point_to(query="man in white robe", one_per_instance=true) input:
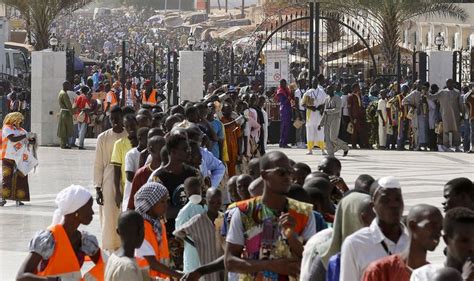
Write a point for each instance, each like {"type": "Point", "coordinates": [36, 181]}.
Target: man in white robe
{"type": "Point", "coordinates": [313, 100]}
{"type": "Point", "coordinates": [104, 181]}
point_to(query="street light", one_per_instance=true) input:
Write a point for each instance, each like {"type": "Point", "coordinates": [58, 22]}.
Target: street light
{"type": "Point", "coordinates": [53, 42]}
{"type": "Point", "coordinates": [191, 41]}
{"type": "Point", "coordinates": [439, 41]}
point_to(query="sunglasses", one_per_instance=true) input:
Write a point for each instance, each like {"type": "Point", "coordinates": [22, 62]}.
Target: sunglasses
{"type": "Point", "coordinates": [282, 172]}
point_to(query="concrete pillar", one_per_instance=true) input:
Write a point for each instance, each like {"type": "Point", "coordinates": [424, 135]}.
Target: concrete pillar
{"type": "Point", "coordinates": [440, 66]}
{"type": "Point", "coordinates": [48, 72]}
{"type": "Point", "coordinates": [191, 75]}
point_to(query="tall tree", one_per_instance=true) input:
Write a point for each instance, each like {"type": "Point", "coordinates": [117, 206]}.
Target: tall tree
{"type": "Point", "coordinates": [388, 17]}
{"type": "Point", "coordinates": [40, 14]}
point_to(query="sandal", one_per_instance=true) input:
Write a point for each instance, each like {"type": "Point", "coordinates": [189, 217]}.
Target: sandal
{"type": "Point", "coordinates": [3, 202]}
{"type": "Point", "coordinates": [19, 203]}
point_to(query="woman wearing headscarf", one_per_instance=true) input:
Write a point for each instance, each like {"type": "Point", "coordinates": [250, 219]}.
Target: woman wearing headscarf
{"type": "Point", "coordinates": [14, 182]}
{"type": "Point", "coordinates": [316, 256]}
{"type": "Point", "coordinates": [59, 252]}
{"type": "Point", "coordinates": [151, 201]}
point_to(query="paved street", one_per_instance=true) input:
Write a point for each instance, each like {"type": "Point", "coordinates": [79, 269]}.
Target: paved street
{"type": "Point", "coordinates": [422, 176]}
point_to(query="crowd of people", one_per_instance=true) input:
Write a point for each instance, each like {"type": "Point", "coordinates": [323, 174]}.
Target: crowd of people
{"type": "Point", "coordinates": [416, 116]}
{"type": "Point", "coordinates": [191, 193]}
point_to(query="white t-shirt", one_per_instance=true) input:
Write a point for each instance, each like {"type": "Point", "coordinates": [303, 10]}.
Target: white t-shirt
{"type": "Point", "coordinates": [145, 250]}
{"type": "Point", "coordinates": [132, 159]}
{"type": "Point", "coordinates": [425, 273]}
{"type": "Point", "coordinates": [123, 269]}
{"type": "Point", "coordinates": [345, 110]}
{"type": "Point", "coordinates": [382, 106]}
{"type": "Point", "coordinates": [299, 94]}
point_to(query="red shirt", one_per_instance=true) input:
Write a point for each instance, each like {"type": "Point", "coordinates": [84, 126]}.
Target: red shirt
{"type": "Point", "coordinates": [140, 178]}
{"type": "Point", "coordinates": [391, 268]}
{"type": "Point", "coordinates": [82, 102]}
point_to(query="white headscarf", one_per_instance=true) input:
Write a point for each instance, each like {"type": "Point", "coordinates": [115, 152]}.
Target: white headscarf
{"type": "Point", "coordinates": [69, 200]}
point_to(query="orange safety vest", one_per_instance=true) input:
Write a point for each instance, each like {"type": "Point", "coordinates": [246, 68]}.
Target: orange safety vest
{"type": "Point", "coordinates": [64, 264]}
{"type": "Point", "coordinates": [162, 253]}
{"type": "Point", "coordinates": [152, 99]}
{"type": "Point", "coordinates": [114, 101]}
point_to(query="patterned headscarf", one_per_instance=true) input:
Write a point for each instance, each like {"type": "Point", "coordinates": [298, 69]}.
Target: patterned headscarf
{"type": "Point", "coordinates": [14, 119]}
{"type": "Point", "coordinates": [146, 197]}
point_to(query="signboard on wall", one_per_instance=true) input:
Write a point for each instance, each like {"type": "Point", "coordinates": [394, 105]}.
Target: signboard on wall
{"type": "Point", "coordinates": [276, 67]}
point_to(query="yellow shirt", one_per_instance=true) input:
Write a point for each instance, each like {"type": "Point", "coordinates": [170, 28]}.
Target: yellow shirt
{"type": "Point", "coordinates": [121, 147]}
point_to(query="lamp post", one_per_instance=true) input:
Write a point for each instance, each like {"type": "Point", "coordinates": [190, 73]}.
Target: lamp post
{"type": "Point", "coordinates": [53, 42]}
{"type": "Point", "coordinates": [191, 41]}
{"type": "Point", "coordinates": [439, 41]}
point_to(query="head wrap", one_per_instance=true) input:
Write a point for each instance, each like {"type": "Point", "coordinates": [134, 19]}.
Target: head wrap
{"type": "Point", "coordinates": [146, 83]}
{"type": "Point", "coordinates": [69, 200]}
{"type": "Point", "coordinates": [14, 119]}
{"type": "Point", "coordinates": [145, 198]}
{"type": "Point", "coordinates": [346, 222]}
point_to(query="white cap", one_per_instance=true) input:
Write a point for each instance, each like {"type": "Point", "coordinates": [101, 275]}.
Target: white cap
{"type": "Point", "coordinates": [389, 182]}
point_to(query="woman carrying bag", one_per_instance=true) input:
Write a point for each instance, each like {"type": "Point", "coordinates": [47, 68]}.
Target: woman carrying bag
{"type": "Point", "coordinates": [17, 159]}
{"type": "Point", "coordinates": [82, 106]}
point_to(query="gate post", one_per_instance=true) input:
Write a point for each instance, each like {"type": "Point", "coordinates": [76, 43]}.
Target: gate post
{"type": "Point", "coordinates": [311, 41]}
{"type": "Point", "coordinates": [175, 77]}
{"type": "Point", "coordinates": [154, 65]}
{"type": "Point", "coordinates": [399, 69]}
{"type": "Point", "coordinates": [457, 66]}
{"type": "Point", "coordinates": [316, 43]}
{"type": "Point", "coordinates": [168, 77]}
{"type": "Point", "coordinates": [122, 73]}
{"type": "Point", "coordinates": [232, 66]}
{"type": "Point", "coordinates": [472, 65]}
{"type": "Point", "coordinates": [217, 64]}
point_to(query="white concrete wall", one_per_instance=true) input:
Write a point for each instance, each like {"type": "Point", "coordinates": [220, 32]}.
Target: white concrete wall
{"type": "Point", "coordinates": [48, 72]}
{"type": "Point", "coordinates": [440, 67]}
{"type": "Point", "coordinates": [191, 75]}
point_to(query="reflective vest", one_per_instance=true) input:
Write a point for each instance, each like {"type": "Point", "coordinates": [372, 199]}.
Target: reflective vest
{"type": "Point", "coordinates": [161, 250]}
{"type": "Point", "coordinates": [152, 99]}
{"type": "Point", "coordinates": [64, 264]}
{"type": "Point", "coordinates": [113, 99]}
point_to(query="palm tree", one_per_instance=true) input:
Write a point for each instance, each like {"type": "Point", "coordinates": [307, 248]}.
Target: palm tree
{"type": "Point", "coordinates": [389, 15]}
{"type": "Point", "coordinates": [40, 14]}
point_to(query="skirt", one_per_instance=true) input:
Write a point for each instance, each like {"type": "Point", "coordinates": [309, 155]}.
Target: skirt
{"type": "Point", "coordinates": [14, 183]}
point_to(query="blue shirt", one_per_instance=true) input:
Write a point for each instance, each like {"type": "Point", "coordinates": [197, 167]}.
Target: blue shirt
{"type": "Point", "coordinates": [320, 222]}
{"type": "Point", "coordinates": [191, 256]}
{"type": "Point", "coordinates": [334, 268]}
{"type": "Point", "coordinates": [219, 129]}
{"type": "Point", "coordinates": [212, 167]}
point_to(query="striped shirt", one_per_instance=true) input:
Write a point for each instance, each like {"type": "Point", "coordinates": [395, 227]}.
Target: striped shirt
{"type": "Point", "coordinates": [201, 230]}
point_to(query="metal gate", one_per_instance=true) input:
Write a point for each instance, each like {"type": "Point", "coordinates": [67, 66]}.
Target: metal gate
{"type": "Point", "coordinates": [463, 68]}
{"type": "Point", "coordinates": [337, 45]}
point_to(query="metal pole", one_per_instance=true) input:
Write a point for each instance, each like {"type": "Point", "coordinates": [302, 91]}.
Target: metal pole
{"type": "Point", "coordinates": [168, 77]}
{"type": "Point", "coordinates": [175, 77]}
{"type": "Point", "coordinates": [232, 66]}
{"type": "Point", "coordinates": [472, 65]}
{"type": "Point", "coordinates": [179, 6]}
{"type": "Point", "coordinates": [414, 66]}
{"type": "Point", "coordinates": [166, 6]}
{"type": "Point", "coordinates": [242, 11]}
{"type": "Point", "coordinates": [217, 64]}
{"type": "Point", "coordinates": [311, 41]}
{"type": "Point", "coordinates": [316, 38]}
{"type": "Point", "coordinates": [399, 69]}
{"type": "Point", "coordinates": [154, 65]}
{"type": "Point", "coordinates": [123, 72]}
{"type": "Point", "coordinates": [455, 66]}
{"type": "Point", "coordinates": [226, 6]}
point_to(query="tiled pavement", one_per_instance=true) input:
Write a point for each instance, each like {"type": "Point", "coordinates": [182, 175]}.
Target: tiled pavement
{"type": "Point", "coordinates": [422, 175]}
